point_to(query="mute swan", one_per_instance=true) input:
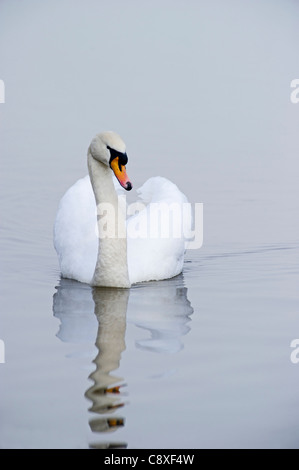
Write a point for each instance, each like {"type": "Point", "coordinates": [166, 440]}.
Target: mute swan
{"type": "Point", "coordinates": [116, 261]}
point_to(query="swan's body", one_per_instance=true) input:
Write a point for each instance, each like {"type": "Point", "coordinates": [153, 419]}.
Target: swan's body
{"type": "Point", "coordinates": [121, 260]}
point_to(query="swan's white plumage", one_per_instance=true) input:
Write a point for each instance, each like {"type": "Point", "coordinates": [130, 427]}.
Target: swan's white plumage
{"type": "Point", "coordinates": [76, 231]}
{"type": "Point", "coordinates": [76, 242]}
{"type": "Point", "coordinates": [75, 238]}
{"type": "Point", "coordinates": [156, 258]}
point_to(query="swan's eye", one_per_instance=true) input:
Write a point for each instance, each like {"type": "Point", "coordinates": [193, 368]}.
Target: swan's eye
{"type": "Point", "coordinates": [122, 157]}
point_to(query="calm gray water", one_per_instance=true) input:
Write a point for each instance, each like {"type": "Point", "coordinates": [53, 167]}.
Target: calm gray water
{"type": "Point", "coordinates": [201, 94]}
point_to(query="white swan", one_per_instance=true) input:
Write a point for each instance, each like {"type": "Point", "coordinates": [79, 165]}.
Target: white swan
{"type": "Point", "coordinates": [121, 260]}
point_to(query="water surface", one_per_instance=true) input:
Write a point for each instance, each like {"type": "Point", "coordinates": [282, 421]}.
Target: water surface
{"type": "Point", "coordinates": [201, 95]}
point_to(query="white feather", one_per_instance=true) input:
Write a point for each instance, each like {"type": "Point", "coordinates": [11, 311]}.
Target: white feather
{"type": "Point", "coordinates": [153, 256]}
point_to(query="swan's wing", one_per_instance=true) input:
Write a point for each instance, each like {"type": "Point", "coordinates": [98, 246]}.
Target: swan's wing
{"type": "Point", "coordinates": [152, 254]}
{"type": "Point", "coordinates": [156, 234]}
{"type": "Point", "coordinates": [75, 237]}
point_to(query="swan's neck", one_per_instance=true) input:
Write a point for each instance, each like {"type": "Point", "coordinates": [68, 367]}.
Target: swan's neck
{"type": "Point", "coordinates": [111, 267]}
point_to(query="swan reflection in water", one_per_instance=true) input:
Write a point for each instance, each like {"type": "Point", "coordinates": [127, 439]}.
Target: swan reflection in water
{"type": "Point", "coordinates": [101, 314]}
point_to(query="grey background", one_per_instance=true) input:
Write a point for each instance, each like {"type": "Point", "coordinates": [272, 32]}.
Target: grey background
{"type": "Point", "coordinates": [200, 92]}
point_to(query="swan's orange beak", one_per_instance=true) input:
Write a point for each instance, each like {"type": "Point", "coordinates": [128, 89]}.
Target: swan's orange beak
{"type": "Point", "coordinates": [121, 174]}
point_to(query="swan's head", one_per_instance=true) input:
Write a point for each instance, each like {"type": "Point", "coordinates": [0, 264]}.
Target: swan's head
{"type": "Point", "coordinates": [110, 149]}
